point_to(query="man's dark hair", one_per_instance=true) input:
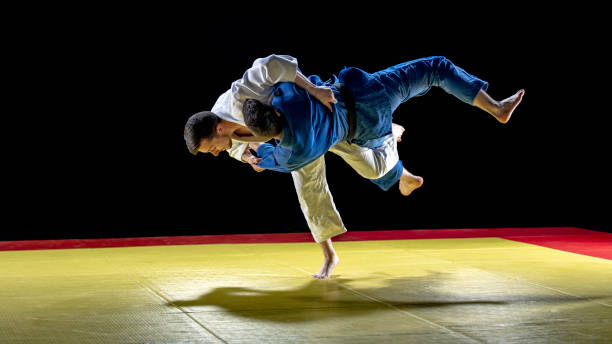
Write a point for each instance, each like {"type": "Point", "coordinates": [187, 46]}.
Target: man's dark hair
{"type": "Point", "coordinates": [199, 126]}
{"type": "Point", "coordinates": [261, 119]}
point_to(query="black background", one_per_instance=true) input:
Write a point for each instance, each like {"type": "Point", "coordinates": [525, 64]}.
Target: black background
{"type": "Point", "coordinates": [103, 96]}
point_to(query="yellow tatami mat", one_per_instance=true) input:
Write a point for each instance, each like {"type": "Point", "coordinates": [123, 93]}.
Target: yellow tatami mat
{"type": "Point", "coordinates": [392, 291]}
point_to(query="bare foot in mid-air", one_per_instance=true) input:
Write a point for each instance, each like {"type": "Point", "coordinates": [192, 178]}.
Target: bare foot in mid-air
{"type": "Point", "coordinates": [409, 182]}
{"type": "Point", "coordinates": [397, 130]}
{"type": "Point", "coordinates": [328, 265]}
{"type": "Point", "coordinates": [507, 106]}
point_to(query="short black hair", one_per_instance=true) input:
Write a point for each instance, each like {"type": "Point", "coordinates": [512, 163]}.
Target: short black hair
{"type": "Point", "coordinates": [199, 126]}
{"type": "Point", "coordinates": [261, 119]}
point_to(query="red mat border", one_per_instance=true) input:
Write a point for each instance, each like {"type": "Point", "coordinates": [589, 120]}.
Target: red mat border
{"type": "Point", "coordinates": [571, 239]}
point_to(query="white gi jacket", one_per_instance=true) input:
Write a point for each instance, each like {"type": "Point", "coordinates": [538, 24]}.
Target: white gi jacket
{"type": "Point", "coordinates": [310, 181]}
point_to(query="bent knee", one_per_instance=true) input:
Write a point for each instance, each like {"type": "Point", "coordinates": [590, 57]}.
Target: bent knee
{"type": "Point", "coordinates": [442, 62]}
{"type": "Point", "coordinates": [374, 172]}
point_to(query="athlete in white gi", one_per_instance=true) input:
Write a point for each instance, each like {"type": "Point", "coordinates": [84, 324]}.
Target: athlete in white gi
{"type": "Point", "coordinates": [310, 182]}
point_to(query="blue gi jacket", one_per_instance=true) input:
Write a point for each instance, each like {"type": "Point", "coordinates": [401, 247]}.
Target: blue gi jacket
{"type": "Point", "coordinates": [311, 129]}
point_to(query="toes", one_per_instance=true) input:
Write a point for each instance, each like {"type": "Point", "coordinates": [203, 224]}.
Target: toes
{"type": "Point", "coordinates": [320, 275]}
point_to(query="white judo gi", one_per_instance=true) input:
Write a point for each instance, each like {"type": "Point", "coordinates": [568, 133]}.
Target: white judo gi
{"type": "Point", "coordinates": [310, 181]}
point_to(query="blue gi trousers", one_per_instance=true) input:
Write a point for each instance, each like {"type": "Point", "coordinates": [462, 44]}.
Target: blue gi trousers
{"type": "Point", "coordinates": [377, 95]}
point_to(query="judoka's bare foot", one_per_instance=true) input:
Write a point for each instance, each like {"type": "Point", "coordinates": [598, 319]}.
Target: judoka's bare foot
{"type": "Point", "coordinates": [328, 265]}
{"type": "Point", "coordinates": [331, 260]}
{"type": "Point", "coordinates": [507, 106]}
{"type": "Point", "coordinates": [397, 130]}
{"type": "Point", "coordinates": [409, 182]}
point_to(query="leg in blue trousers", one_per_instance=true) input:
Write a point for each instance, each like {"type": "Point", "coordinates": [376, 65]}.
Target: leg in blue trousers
{"type": "Point", "coordinates": [415, 78]}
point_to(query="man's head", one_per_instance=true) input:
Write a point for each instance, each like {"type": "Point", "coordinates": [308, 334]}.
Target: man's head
{"type": "Point", "coordinates": [262, 119]}
{"type": "Point", "coordinates": [204, 133]}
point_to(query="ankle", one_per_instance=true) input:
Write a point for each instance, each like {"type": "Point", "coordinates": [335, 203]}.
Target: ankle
{"type": "Point", "coordinates": [496, 109]}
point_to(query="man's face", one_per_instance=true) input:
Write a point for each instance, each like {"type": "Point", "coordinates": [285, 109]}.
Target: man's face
{"type": "Point", "coordinates": [215, 145]}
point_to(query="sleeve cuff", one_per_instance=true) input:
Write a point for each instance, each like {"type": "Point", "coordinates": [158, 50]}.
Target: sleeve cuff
{"type": "Point", "coordinates": [237, 150]}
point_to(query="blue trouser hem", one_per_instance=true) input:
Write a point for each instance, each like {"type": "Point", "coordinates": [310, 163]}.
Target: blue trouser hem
{"type": "Point", "coordinates": [390, 178]}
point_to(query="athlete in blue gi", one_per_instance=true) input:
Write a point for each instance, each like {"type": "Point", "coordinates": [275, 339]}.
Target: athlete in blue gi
{"type": "Point", "coordinates": [305, 129]}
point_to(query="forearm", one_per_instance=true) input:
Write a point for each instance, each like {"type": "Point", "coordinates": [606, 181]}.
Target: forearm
{"type": "Point", "coordinates": [323, 94]}
{"type": "Point", "coordinates": [247, 155]}
{"type": "Point", "coordinates": [304, 83]}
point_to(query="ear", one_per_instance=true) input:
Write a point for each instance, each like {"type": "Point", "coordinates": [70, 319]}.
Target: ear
{"type": "Point", "coordinates": [219, 128]}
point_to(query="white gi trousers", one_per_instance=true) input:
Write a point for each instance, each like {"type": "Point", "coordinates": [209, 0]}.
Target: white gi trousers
{"type": "Point", "coordinates": [313, 192]}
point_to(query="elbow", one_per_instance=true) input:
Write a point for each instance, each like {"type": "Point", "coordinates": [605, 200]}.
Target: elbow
{"type": "Point", "coordinates": [280, 68]}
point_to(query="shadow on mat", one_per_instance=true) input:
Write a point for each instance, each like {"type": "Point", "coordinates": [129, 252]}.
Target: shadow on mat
{"type": "Point", "coordinates": [319, 299]}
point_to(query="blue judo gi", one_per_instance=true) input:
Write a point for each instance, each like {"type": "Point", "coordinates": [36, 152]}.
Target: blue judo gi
{"type": "Point", "coordinates": [311, 128]}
